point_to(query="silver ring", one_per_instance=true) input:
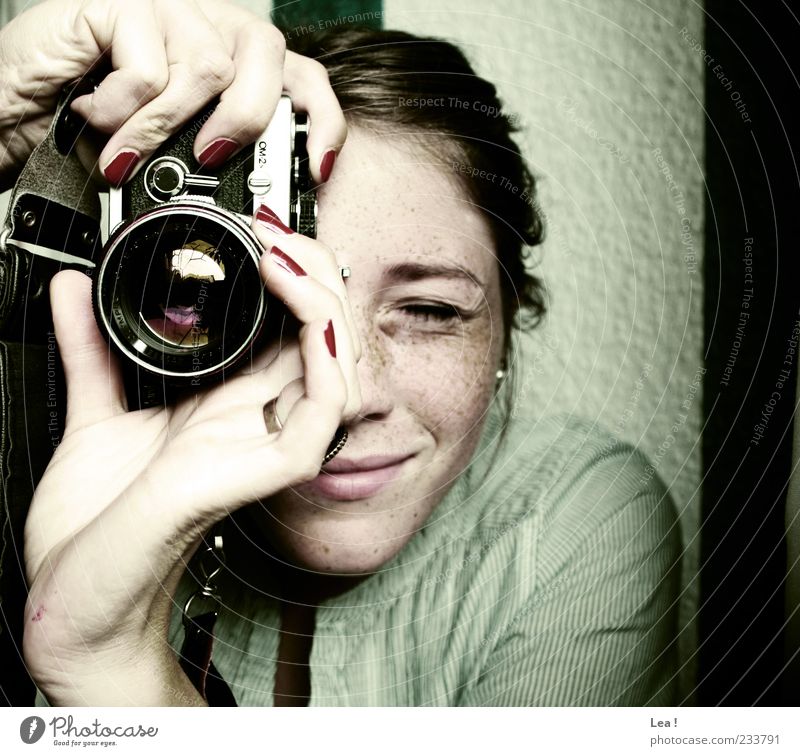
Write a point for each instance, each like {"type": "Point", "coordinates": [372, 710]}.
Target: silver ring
{"type": "Point", "coordinates": [271, 418]}
{"type": "Point", "coordinates": [344, 272]}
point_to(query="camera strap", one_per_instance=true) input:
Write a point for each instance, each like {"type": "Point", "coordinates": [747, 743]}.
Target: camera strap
{"type": "Point", "coordinates": [199, 617]}
{"type": "Point", "coordinates": [52, 223]}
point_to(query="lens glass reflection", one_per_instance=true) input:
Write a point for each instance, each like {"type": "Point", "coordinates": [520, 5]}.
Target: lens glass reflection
{"type": "Point", "coordinates": [181, 302]}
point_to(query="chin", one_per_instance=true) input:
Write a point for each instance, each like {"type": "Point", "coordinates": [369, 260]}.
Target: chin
{"type": "Point", "coordinates": [348, 553]}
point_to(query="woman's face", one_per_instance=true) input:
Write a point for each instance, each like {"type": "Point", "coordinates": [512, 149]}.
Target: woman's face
{"type": "Point", "coordinates": [425, 296]}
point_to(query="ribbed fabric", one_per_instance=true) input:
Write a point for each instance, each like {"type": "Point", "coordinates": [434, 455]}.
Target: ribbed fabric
{"type": "Point", "coordinates": [542, 579]}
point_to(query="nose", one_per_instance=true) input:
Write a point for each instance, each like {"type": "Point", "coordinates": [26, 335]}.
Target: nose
{"type": "Point", "coordinates": [376, 377]}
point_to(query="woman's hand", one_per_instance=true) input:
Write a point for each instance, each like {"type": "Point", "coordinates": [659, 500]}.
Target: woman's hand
{"type": "Point", "coordinates": [127, 495]}
{"type": "Point", "coordinates": [169, 59]}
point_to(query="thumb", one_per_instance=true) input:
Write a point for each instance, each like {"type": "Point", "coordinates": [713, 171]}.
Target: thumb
{"type": "Point", "coordinates": [95, 390]}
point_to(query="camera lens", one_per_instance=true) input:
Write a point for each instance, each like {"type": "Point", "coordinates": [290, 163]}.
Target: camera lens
{"type": "Point", "coordinates": [179, 291]}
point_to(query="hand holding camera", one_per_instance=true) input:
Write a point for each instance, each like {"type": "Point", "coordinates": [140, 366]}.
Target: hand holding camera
{"type": "Point", "coordinates": [169, 59]}
{"type": "Point", "coordinates": [133, 491]}
{"type": "Point", "coordinates": [136, 490]}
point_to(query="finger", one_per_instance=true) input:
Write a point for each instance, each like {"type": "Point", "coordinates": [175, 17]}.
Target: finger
{"type": "Point", "coordinates": [253, 389]}
{"type": "Point", "coordinates": [249, 462]}
{"type": "Point", "coordinates": [143, 537]}
{"type": "Point", "coordinates": [306, 82]}
{"type": "Point", "coordinates": [243, 469]}
{"type": "Point", "coordinates": [308, 300]}
{"type": "Point", "coordinates": [140, 65]}
{"type": "Point", "coordinates": [297, 454]}
{"type": "Point", "coordinates": [248, 104]}
{"type": "Point", "coordinates": [290, 394]}
{"type": "Point", "coordinates": [95, 389]}
{"type": "Point", "coordinates": [314, 258]}
{"type": "Point", "coordinates": [282, 357]}
{"type": "Point", "coordinates": [200, 68]}
{"type": "Point", "coordinates": [120, 95]}
{"type": "Point", "coordinates": [252, 409]}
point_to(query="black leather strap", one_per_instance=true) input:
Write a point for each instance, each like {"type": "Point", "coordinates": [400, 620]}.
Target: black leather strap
{"type": "Point", "coordinates": [196, 661]}
{"type": "Point", "coordinates": [31, 393]}
{"type": "Point", "coordinates": [53, 222]}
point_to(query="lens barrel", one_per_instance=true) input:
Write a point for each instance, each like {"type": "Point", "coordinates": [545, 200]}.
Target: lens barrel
{"type": "Point", "coordinates": [179, 291]}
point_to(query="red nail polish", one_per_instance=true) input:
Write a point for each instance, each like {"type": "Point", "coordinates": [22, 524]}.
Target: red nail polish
{"type": "Point", "coordinates": [326, 166]}
{"type": "Point", "coordinates": [217, 152]}
{"type": "Point", "coordinates": [330, 338]}
{"type": "Point", "coordinates": [286, 262]}
{"type": "Point", "coordinates": [267, 217]}
{"type": "Point", "coordinates": [121, 167]}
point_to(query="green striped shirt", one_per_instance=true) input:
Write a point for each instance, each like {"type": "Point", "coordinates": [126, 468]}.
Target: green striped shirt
{"type": "Point", "coordinates": [547, 576]}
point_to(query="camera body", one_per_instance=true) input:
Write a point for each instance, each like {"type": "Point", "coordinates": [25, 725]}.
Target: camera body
{"type": "Point", "coordinates": [274, 170]}
{"type": "Point", "coordinates": [176, 287]}
{"type": "Point", "coordinates": [178, 291]}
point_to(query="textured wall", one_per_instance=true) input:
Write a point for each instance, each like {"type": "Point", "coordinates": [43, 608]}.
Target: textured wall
{"type": "Point", "coordinates": [599, 86]}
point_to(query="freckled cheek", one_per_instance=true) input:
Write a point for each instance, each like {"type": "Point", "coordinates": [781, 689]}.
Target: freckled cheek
{"type": "Point", "coordinates": [447, 382]}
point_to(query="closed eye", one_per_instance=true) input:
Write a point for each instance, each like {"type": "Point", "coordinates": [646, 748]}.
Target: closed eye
{"type": "Point", "coordinates": [432, 311]}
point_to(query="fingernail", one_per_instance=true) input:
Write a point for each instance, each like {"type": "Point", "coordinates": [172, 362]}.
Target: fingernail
{"type": "Point", "coordinates": [286, 262]}
{"type": "Point", "coordinates": [121, 167]}
{"type": "Point", "coordinates": [330, 339]}
{"type": "Point", "coordinates": [326, 166]}
{"type": "Point", "coordinates": [217, 152]}
{"type": "Point", "coordinates": [268, 218]}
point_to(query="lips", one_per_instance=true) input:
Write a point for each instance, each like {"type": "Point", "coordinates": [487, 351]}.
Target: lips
{"type": "Point", "coordinates": [354, 479]}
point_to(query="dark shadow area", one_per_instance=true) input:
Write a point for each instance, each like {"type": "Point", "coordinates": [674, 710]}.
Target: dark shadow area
{"type": "Point", "coordinates": [751, 321]}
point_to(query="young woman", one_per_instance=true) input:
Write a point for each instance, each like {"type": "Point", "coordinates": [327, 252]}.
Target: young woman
{"type": "Point", "coordinates": [448, 555]}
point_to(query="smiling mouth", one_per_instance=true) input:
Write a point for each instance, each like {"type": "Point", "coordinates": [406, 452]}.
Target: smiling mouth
{"type": "Point", "coordinates": [355, 479]}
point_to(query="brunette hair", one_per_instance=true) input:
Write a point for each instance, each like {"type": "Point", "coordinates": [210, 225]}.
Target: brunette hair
{"type": "Point", "coordinates": [428, 87]}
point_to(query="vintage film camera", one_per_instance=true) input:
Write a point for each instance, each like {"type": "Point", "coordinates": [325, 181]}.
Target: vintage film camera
{"type": "Point", "coordinates": [176, 288]}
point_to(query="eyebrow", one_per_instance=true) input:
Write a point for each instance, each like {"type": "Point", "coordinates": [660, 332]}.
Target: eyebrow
{"type": "Point", "coordinates": [413, 271]}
